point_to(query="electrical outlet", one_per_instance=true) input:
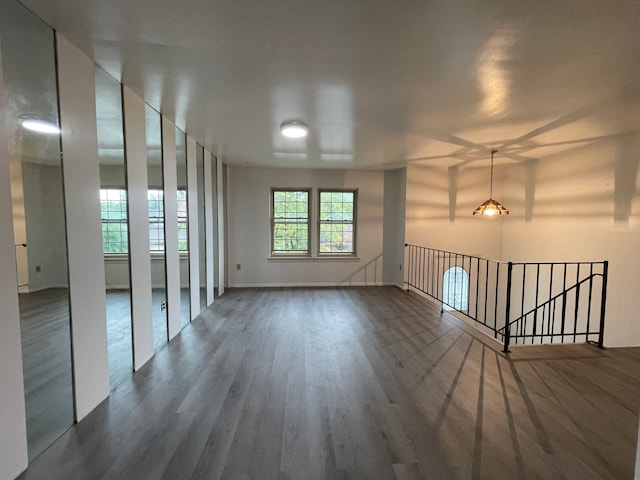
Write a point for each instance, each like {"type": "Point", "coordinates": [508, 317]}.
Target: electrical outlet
{"type": "Point", "coordinates": [400, 267]}
{"type": "Point", "coordinates": [38, 268]}
{"type": "Point", "coordinates": [163, 306]}
{"type": "Point", "coordinates": [238, 266]}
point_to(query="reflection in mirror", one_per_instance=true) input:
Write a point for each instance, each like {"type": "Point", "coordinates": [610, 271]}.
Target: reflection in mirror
{"type": "Point", "coordinates": [115, 226]}
{"type": "Point", "coordinates": [183, 227]}
{"type": "Point", "coordinates": [156, 227]}
{"type": "Point", "coordinates": [201, 227]}
{"type": "Point", "coordinates": [214, 194]}
{"type": "Point", "coordinates": [39, 225]}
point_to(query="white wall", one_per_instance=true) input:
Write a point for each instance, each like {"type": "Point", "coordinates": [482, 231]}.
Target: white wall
{"type": "Point", "coordinates": [394, 226]}
{"type": "Point", "coordinates": [584, 205]}
{"type": "Point", "coordinates": [249, 229]}
{"type": "Point", "coordinates": [579, 205]}
{"type": "Point", "coordinates": [84, 233]}
{"type": "Point", "coordinates": [13, 430]}
{"type": "Point", "coordinates": [46, 242]}
{"type": "Point", "coordinates": [439, 208]}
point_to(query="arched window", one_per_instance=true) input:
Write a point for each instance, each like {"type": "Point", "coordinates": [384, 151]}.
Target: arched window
{"type": "Point", "coordinates": [455, 289]}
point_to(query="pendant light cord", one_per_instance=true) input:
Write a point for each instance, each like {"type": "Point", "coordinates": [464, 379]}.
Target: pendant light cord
{"type": "Point", "coordinates": [491, 181]}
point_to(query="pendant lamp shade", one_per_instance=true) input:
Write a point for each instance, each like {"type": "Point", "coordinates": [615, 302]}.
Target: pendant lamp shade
{"type": "Point", "coordinates": [491, 207]}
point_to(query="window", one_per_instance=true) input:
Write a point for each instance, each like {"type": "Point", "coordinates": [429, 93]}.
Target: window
{"type": "Point", "coordinates": [455, 289]}
{"type": "Point", "coordinates": [113, 211]}
{"type": "Point", "coordinates": [156, 220]}
{"type": "Point", "coordinates": [113, 205]}
{"type": "Point", "coordinates": [183, 235]}
{"type": "Point", "coordinates": [289, 222]}
{"type": "Point", "coordinates": [337, 222]}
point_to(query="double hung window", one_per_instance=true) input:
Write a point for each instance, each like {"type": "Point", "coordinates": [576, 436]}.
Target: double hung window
{"type": "Point", "coordinates": [290, 222]}
{"type": "Point", "coordinates": [337, 222]}
{"type": "Point", "coordinates": [334, 222]}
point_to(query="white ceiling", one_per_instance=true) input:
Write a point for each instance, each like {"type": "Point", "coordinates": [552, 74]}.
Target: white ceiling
{"type": "Point", "coordinates": [380, 83]}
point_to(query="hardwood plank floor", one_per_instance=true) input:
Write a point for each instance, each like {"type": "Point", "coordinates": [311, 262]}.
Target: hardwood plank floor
{"type": "Point", "coordinates": [46, 366]}
{"type": "Point", "coordinates": [355, 383]}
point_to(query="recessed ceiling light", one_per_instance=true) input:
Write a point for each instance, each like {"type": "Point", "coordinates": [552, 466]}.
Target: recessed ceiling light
{"type": "Point", "coordinates": [294, 129]}
{"type": "Point", "coordinates": [36, 124]}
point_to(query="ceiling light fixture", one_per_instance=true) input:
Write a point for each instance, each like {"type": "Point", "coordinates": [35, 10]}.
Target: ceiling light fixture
{"type": "Point", "coordinates": [36, 124]}
{"type": "Point", "coordinates": [490, 207]}
{"type": "Point", "coordinates": [294, 129]}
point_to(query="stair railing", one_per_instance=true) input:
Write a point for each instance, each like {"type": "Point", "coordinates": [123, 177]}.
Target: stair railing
{"type": "Point", "coordinates": [515, 302]}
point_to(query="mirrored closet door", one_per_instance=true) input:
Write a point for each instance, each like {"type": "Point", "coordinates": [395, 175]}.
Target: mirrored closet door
{"type": "Point", "coordinates": [38, 207]}
{"type": "Point", "coordinates": [115, 225]}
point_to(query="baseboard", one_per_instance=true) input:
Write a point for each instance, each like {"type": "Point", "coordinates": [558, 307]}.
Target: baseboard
{"type": "Point", "coordinates": [27, 289]}
{"type": "Point", "coordinates": [311, 285]}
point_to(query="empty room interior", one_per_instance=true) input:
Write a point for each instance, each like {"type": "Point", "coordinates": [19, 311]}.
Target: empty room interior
{"type": "Point", "coordinates": [319, 240]}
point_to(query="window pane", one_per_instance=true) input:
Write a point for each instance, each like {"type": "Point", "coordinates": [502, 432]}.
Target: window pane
{"type": "Point", "coordinates": [113, 208]}
{"type": "Point", "coordinates": [336, 222]}
{"type": "Point", "coordinates": [183, 237]}
{"type": "Point", "coordinates": [290, 224]}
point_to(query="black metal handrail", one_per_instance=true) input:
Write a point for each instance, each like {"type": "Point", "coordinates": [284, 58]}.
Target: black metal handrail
{"type": "Point", "coordinates": [489, 292]}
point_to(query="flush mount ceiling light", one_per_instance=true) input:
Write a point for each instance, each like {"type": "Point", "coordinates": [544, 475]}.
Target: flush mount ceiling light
{"type": "Point", "coordinates": [490, 208]}
{"type": "Point", "coordinates": [294, 129]}
{"type": "Point", "coordinates": [36, 124]}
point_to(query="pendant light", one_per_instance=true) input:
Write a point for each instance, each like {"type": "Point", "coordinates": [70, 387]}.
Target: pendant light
{"type": "Point", "coordinates": [490, 207]}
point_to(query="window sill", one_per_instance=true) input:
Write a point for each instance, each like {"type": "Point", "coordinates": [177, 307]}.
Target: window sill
{"type": "Point", "coordinates": [306, 258]}
{"type": "Point", "coordinates": [116, 257]}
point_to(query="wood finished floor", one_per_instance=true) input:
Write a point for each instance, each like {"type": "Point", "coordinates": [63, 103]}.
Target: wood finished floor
{"type": "Point", "coordinates": [355, 383]}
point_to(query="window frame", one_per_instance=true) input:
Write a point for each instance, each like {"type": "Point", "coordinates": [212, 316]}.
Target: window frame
{"type": "Point", "coordinates": [272, 220]}
{"type": "Point", "coordinates": [156, 220]}
{"type": "Point", "coordinates": [354, 223]}
{"type": "Point", "coordinates": [183, 226]}
{"type": "Point", "coordinates": [123, 221]}
{"type": "Point", "coordinates": [460, 304]}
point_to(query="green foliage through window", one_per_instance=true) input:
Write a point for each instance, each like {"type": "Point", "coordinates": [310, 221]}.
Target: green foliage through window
{"type": "Point", "coordinates": [183, 234]}
{"type": "Point", "coordinates": [113, 206]}
{"type": "Point", "coordinates": [290, 222]}
{"type": "Point", "coordinates": [113, 211]}
{"type": "Point", "coordinates": [156, 220]}
{"type": "Point", "coordinates": [337, 222]}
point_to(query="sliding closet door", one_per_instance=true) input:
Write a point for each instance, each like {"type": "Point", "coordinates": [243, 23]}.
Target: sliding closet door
{"type": "Point", "coordinates": [156, 227]}
{"type": "Point", "coordinates": [38, 207]}
{"type": "Point", "coordinates": [115, 225]}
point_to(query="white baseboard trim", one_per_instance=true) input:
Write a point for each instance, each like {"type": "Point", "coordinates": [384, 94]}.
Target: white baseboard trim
{"type": "Point", "coordinates": [313, 285]}
{"type": "Point", "coordinates": [27, 289]}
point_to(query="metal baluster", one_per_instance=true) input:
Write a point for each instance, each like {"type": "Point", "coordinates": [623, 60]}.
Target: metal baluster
{"type": "Point", "coordinates": [589, 304]}
{"type": "Point", "coordinates": [495, 306]}
{"type": "Point", "coordinates": [553, 321]}
{"type": "Point", "coordinates": [535, 310]}
{"type": "Point", "coordinates": [575, 315]}
{"type": "Point", "coordinates": [507, 329]}
{"type": "Point", "coordinates": [477, 285]}
{"type": "Point", "coordinates": [551, 312]}
{"type": "Point", "coordinates": [564, 303]}
{"type": "Point", "coordinates": [523, 321]}
{"type": "Point", "coordinates": [486, 289]}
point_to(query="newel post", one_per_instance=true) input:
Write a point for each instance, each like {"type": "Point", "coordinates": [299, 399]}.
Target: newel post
{"type": "Point", "coordinates": [603, 302]}
{"type": "Point", "coordinates": [507, 326]}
